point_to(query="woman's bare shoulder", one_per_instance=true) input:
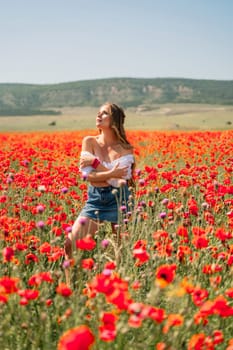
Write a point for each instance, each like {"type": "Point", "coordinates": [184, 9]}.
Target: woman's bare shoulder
{"type": "Point", "coordinates": [88, 143]}
{"type": "Point", "coordinates": [90, 140]}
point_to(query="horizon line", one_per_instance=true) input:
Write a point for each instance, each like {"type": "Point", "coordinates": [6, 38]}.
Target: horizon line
{"type": "Point", "coordinates": [115, 78]}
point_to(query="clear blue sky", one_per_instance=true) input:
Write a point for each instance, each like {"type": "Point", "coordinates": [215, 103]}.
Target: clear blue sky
{"type": "Point", "coordinates": [52, 41]}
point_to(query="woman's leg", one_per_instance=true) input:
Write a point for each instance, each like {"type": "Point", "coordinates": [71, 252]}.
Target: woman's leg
{"type": "Point", "coordinates": [82, 227]}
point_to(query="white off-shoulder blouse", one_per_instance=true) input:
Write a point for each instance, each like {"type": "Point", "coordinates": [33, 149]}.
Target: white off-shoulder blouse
{"type": "Point", "coordinates": [124, 161]}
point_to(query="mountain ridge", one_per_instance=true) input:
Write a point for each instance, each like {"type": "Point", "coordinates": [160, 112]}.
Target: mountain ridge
{"type": "Point", "coordinates": [29, 99]}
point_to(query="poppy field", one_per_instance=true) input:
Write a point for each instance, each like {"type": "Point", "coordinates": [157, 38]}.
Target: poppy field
{"type": "Point", "coordinates": [163, 282]}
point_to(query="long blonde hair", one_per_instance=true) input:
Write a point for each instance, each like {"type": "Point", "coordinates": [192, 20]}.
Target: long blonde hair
{"type": "Point", "coordinates": [117, 124]}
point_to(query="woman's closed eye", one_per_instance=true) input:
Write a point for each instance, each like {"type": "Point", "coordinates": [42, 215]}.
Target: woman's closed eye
{"type": "Point", "coordinates": [103, 114]}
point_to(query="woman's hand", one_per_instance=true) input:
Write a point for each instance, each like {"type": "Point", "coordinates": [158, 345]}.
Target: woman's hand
{"type": "Point", "coordinates": [118, 172]}
{"type": "Point", "coordinates": [86, 161]}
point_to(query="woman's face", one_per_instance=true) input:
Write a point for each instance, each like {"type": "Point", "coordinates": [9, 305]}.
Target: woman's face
{"type": "Point", "coordinates": [103, 119]}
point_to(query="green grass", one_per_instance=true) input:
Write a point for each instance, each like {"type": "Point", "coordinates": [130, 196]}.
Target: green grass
{"type": "Point", "coordinates": [158, 117]}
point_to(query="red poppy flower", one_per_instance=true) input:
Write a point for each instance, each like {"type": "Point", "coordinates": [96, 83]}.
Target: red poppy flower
{"type": "Point", "coordinates": [64, 290]}
{"type": "Point", "coordinates": [222, 234]}
{"type": "Point", "coordinates": [45, 248]}
{"type": "Point", "coordinates": [8, 253]}
{"type": "Point", "coordinates": [87, 264]}
{"type": "Point", "coordinates": [110, 265]}
{"type": "Point", "coordinates": [31, 258]}
{"type": "Point", "coordinates": [107, 328]}
{"type": "Point", "coordinates": [218, 337]}
{"type": "Point", "coordinates": [199, 295]}
{"type": "Point", "coordinates": [197, 342]}
{"type": "Point", "coordinates": [78, 338]}
{"type": "Point", "coordinates": [8, 285]}
{"type": "Point", "coordinates": [3, 298]}
{"type": "Point", "coordinates": [37, 279]}
{"type": "Point", "coordinates": [173, 320]}
{"type": "Point", "coordinates": [229, 292]}
{"type": "Point", "coordinates": [86, 243]}
{"type": "Point", "coordinates": [140, 253]}
{"type": "Point", "coordinates": [29, 294]}
{"type": "Point", "coordinates": [200, 242]}
{"type": "Point", "coordinates": [165, 274]}
{"type": "Point", "coordinates": [182, 231]}
{"type": "Point", "coordinates": [210, 269]}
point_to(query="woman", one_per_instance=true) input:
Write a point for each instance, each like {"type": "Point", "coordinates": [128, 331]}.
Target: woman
{"type": "Point", "coordinates": [106, 163]}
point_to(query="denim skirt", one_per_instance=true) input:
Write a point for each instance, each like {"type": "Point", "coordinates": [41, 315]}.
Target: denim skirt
{"type": "Point", "coordinates": [106, 203]}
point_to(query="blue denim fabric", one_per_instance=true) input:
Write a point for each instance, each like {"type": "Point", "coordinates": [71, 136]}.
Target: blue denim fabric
{"type": "Point", "coordinates": [104, 203]}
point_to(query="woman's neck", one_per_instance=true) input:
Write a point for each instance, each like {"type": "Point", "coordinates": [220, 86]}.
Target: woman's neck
{"type": "Point", "coordinates": [108, 137]}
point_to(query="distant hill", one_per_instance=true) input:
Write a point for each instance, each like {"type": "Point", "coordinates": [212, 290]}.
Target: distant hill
{"type": "Point", "coordinates": [28, 99]}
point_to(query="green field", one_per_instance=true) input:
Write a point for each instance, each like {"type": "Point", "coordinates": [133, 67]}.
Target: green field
{"type": "Point", "coordinates": [158, 117]}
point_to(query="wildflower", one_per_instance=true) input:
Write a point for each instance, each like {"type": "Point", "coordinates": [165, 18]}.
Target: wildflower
{"type": "Point", "coordinates": [40, 224]}
{"type": "Point", "coordinates": [86, 243]}
{"type": "Point", "coordinates": [84, 176]}
{"type": "Point", "coordinates": [104, 243]}
{"type": "Point", "coordinates": [87, 264]}
{"type": "Point", "coordinates": [68, 229]}
{"type": "Point", "coordinates": [25, 162]}
{"type": "Point", "coordinates": [136, 285]}
{"type": "Point", "coordinates": [9, 180]}
{"type": "Point", "coordinates": [230, 344]}
{"type": "Point", "coordinates": [49, 302]}
{"type": "Point", "coordinates": [173, 320]}
{"type": "Point", "coordinates": [66, 264]}
{"type": "Point", "coordinates": [28, 294]}
{"type": "Point", "coordinates": [110, 265]}
{"type": "Point", "coordinates": [193, 208]}
{"type": "Point", "coordinates": [123, 208]}
{"type": "Point", "coordinates": [222, 234]}
{"type": "Point", "coordinates": [165, 275]}
{"type": "Point", "coordinates": [210, 269]}
{"type": "Point", "coordinates": [205, 205]}
{"type": "Point", "coordinates": [78, 338]}
{"type": "Point", "coordinates": [8, 285]}
{"type": "Point", "coordinates": [140, 253]}
{"type": "Point", "coordinates": [200, 242]}
{"type": "Point", "coordinates": [141, 182]}
{"type": "Point", "coordinates": [156, 314]}
{"type": "Point", "coordinates": [222, 308]}
{"type": "Point", "coordinates": [199, 295]}
{"type": "Point", "coordinates": [30, 257]}
{"type": "Point", "coordinates": [107, 328]}
{"type": "Point", "coordinates": [3, 298]}
{"type": "Point", "coordinates": [218, 337]}
{"type": "Point", "coordinates": [229, 292]}
{"type": "Point", "coordinates": [165, 201]}
{"type": "Point", "coordinates": [8, 253]}
{"type": "Point", "coordinates": [82, 220]}
{"type": "Point", "coordinates": [64, 190]}
{"type": "Point", "coordinates": [182, 231]}
{"type": "Point", "coordinates": [40, 208]}
{"type": "Point", "coordinates": [38, 278]}
{"type": "Point", "coordinates": [197, 342]}
{"type": "Point", "coordinates": [162, 215]}
{"type": "Point", "coordinates": [106, 272]}
{"type": "Point", "coordinates": [64, 290]}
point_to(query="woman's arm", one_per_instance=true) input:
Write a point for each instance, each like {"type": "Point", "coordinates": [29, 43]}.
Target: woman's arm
{"type": "Point", "coordinates": [86, 160]}
{"type": "Point", "coordinates": [100, 176]}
